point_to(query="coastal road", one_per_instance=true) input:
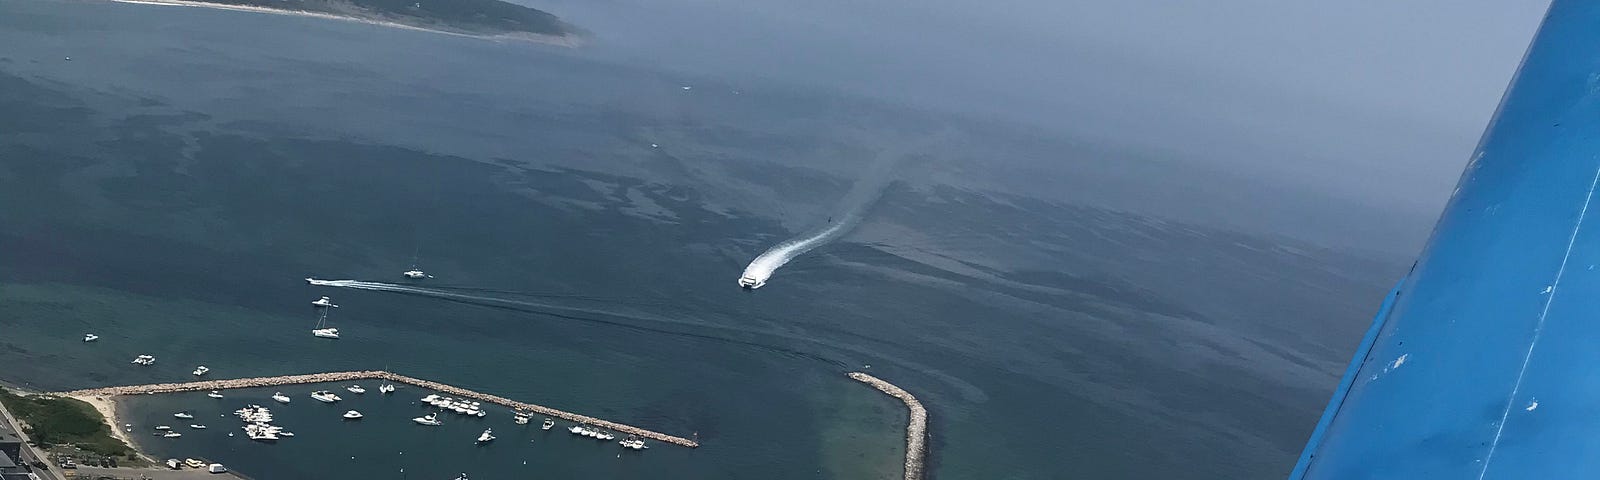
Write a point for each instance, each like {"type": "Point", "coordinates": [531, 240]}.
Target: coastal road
{"type": "Point", "coordinates": [9, 424]}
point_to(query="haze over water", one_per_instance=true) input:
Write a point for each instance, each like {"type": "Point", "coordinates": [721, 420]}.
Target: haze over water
{"type": "Point", "coordinates": [171, 186]}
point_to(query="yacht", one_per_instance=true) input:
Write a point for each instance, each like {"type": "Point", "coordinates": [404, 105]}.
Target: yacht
{"type": "Point", "coordinates": [90, 337]}
{"type": "Point", "coordinates": [432, 397]}
{"type": "Point", "coordinates": [200, 370]}
{"type": "Point", "coordinates": [254, 414]}
{"type": "Point", "coordinates": [280, 397]}
{"type": "Point", "coordinates": [577, 429]}
{"type": "Point", "coordinates": [197, 426]}
{"type": "Point", "coordinates": [548, 423]}
{"type": "Point", "coordinates": [326, 332]}
{"type": "Point", "coordinates": [324, 302]}
{"type": "Point", "coordinates": [520, 418]}
{"type": "Point", "coordinates": [261, 432]}
{"type": "Point", "coordinates": [487, 436]}
{"type": "Point", "coordinates": [145, 360]}
{"type": "Point", "coordinates": [431, 420]}
{"type": "Point", "coordinates": [325, 396]}
{"type": "Point", "coordinates": [171, 434]}
{"type": "Point", "coordinates": [386, 388]}
{"type": "Point", "coordinates": [352, 415]}
{"type": "Point", "coordinates": [604, 435]}
{"type": "Point", "coordinates": [633, 442]}
{"type": "Point", "coordinates": [750, 283]}
{"type": "Point", "coordinates": [214, 394]}
{"type": "Point", "coordinates": [183, 415]}
{"type": "Point", "coordinates": [356, 389]}
{"type": "Point", "coordinates": [415, 274]}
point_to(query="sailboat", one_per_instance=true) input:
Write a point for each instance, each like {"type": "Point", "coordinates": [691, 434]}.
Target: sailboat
{"type": "Point", "coordinates": [322, 329]}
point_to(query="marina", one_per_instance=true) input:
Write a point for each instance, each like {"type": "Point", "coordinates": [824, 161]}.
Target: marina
{"type": "Point", "coordinates": [916, 426]}
{"type": "Point", "coordinates": [341, 377]}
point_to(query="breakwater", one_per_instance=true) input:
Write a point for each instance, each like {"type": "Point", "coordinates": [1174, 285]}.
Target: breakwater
{"type": "Point", "coordinates": [916, 426]}
{"type": "Point", "coordinates": [329, 377]}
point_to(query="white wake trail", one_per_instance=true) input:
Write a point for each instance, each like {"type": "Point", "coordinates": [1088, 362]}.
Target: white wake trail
{"type": "Point", "coordinates": [855, 205]}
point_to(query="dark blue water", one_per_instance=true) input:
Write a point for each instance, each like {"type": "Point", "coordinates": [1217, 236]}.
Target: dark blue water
{"type": "Point", "coordinates": [170, 186]}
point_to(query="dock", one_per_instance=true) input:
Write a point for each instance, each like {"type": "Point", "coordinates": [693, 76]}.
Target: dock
{"type": "Point", "coordinates": [331, 377]}
{"type": "Point", "coordinates": [916, 427]}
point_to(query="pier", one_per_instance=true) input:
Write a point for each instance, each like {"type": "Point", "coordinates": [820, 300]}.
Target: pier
{"type": "Point", "coordinates": [331, 377]}
{"type": "Point", "coordinates": [916, 427]}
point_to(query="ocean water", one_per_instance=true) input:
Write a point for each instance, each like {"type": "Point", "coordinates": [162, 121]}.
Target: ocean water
{"type": "Point", "coordinates": [170, 186]}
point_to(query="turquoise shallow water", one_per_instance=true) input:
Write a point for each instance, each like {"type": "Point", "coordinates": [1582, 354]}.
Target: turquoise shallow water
{"type": "Point", "coordinates": [169, 188]}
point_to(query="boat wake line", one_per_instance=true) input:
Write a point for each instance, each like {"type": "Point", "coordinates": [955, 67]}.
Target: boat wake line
{"type": "Point", "coordinates": [853, 206]}
{"type": "Point", "coordinates": [590, 315]}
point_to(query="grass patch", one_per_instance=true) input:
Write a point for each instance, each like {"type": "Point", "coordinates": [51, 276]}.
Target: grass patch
{"type": "Point", "coordinates": [64, 421]}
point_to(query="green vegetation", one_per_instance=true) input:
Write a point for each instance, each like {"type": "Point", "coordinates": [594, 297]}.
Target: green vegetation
{"type": "Point", "coordinates": [469, 16]}
{"type": "Point", "coordinates": [64, 421]}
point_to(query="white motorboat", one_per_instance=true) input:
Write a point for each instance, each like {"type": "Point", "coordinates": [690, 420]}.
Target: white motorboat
{"type": "Point", "coordinates": [520, 418]}
{"type": "Point", "coordinates": [261, 432]}
{"type": "Point", "coordinates": [214, 394]}
{"type": "Point", "coordinates": [145, 360]}
{"type": "Point", "coordinates": [90, 337]}
{"type": "Point", "coordinates": [325, 396]}
{"type": "Point", "coordinates": [163, 427]}
{"type": "Point", "coordinates": [487, 436]}
{"type": "Point", "coordinates": [356, 389]}
{"type": "Point", "coordinates": [324, 302]}
{"type": "Point", "coordinates": [431, 420]}
{"type": "Point", "coordinates": [751, 283]}
{"type": "Point", "coordinates": [280, 397]}
{"type": "Point", "coordinates": [432, 397]}
{"type": "Point", "coordinates": [286, 434]}
{"type": "Point", "coordinates": [481, 414]}
{"type": "Point", "coordinates": [604, 435]}
{"type": "Point", "coordinates": [192, 463]}
{"type": "Point", "coordinates": [548, 423]}
{"type": "Point", "coordinates": [171, 434]}
{"type": "Point", "coordinates": [200, 370]}
{"type": "Point", "coordinates": [326, 332]}
{"type": "Point", "coordinates": [577, 429]}
{"type": "Point", "coordinates": [352, 415]}
{"type": "Point", "coordinates": [386, 388]}
{"type": "Point", "coordinates": [197, 426]}
{"type": "Point", "coordinates": [183, 415]}
{"type": "Point", "coordinates": [415, 274]}
{"type": "Point", "coordinates": [633, 442]}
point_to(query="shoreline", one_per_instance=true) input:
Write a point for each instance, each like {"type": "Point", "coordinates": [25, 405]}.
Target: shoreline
{"type": "Point", "coordinates": [916, 425]}
{"type": "Point", "coordinates": [569, 41]}
{"type": "Point", "coordinates": [108, 412]}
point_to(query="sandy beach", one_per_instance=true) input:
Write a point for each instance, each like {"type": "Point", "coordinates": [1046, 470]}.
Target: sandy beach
{"type": "Point", "coordinates": [108, 410]}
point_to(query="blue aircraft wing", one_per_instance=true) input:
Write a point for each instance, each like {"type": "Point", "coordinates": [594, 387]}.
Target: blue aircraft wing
{"type": "Point", "coordinates": [1484, 362]}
